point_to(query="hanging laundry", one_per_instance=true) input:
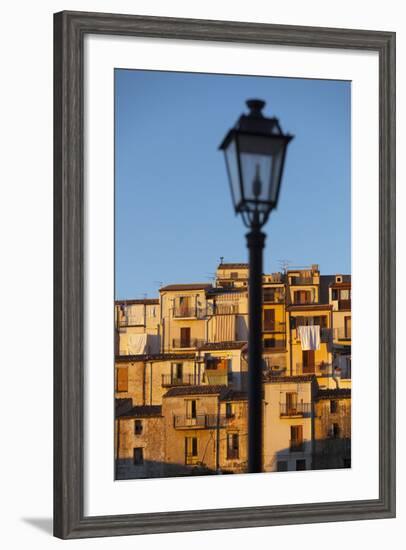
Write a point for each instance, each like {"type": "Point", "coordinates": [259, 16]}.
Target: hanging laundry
{"type": "Point", "coordinates": [309, 337]}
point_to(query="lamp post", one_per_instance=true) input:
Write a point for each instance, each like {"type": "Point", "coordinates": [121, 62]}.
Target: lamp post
{"type": "Point", "coordinates": [255, 150]}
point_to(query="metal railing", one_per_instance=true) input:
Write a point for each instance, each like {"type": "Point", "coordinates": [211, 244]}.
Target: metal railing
{"type": "Point", "coordinates": [183, 421]}
{"type": "Point", "coordinates": [301, 281]}
{"type": "Point", "coordinates": [325, 334]}
{"type": "Point", "coordinates": [208, 421]}
{"type": "Point", "coordinates": [189, 312]}
{"type": "Point", "coordinates": [190, 343]}
{"type": "Point", "coordinates": [269, 298]}
{"type": "Point", "coordinates": [300, 409]}
{"type": "Point", "coordinates": [342, 333]}
{"type": "Point", "coordinates": [318, 368]}
{"type": "Point", "coordinates": [184, 380]}
{"type": "Point", "coordinates": [273, 326]}
{"type": "Point", "coordinates": [296, 445]}
{"type": "Point", "coordinates": [277, 344]}
{"type": "Point", "coordinates": [344, 305]}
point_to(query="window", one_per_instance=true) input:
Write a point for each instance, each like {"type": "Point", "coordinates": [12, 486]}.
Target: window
{"type": "Point", "coordinates": [191, 450]}
{"type": "Point", "coordinates": [333, 406]}
{"type": "Point", "coordinates": [185, 306]}
{"type": "Point", "coordinates": [269, 319]}
{"type": "Point", "coordinates": [138, 456]}
{"type": "Point", "coordinates": [334, 430]}
{"type": "Point", "coordinates": [229, 410]}
{"type": "Point", "coordinates": [232, 446]}
{"type": "Point", "coordinates": [185, 337]}
{"type": "Point", "coordinates": [234, 275]}
{"type": "Point", "coordinates": [296, 438]}
{"type": "Point", "coordinates": [121, 379]}
{"type": "Point", "coordinates": [138, 427]}
{"type": "Point", "coordinates": [308, 361]}
{"type": "Point", "coordinates": [282, 466]}
{"type": "Point", "coordinates": [270, 343]}
{"type": "Point", "coordinates": [177, 372]}
{"type": "Point", "coordinates": [291, 402]}
{"type": "Point", "coordinates": [302, 297]}
{"type": "Point", "coordinates": [347, 327]}
{"type": "Point", "coordinates": [269, 295]}
{"type": "Point", "coordinates": [300, 464]}
{"type": "Point", "coordinates": [191, 408]}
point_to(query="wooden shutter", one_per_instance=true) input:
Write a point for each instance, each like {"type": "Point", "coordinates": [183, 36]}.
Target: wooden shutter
{"type": "Point", "coordinates": [122, 379]}
{"type": "Point", "coordinates": [185, 337]}
{"type": "Point", "coordinates": [308, 361]}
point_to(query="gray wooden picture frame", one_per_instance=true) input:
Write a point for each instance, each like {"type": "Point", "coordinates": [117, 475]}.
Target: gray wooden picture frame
{"type": "Point", "coordinates": [69, 31]}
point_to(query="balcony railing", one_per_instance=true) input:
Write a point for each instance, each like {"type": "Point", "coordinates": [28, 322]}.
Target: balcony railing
{"type": "Point", "coordinates": [275, 345]}
{"type": "Point", "coordinates": [296, 446]}
{"type": "Point", "coordinates": [342, 333]}
{"type": "Point", "coordinates": [190, 343]}
{"type": "Point", "coordinates": [325, 335]}
{"type": "Point", "coordinates": [184, 380]}
{"type": "Point", "coordinates": [322, 368]}
{"type": "Point", "coordinates": [131, 321]}
{"type": "Point", "coordinates": [277, 298]}
{"type": "Point", "coordinates": [344, 305]}
{"type": "Point", "coordinates": [300, 409]}
{"type": "Point", "coordinates": [207, 421]}
{"type": "Point", "coordinates": [188, 312]}
{"type": "Point", "coordinates": [301, 281]}
{"type": "Point", "coordinates": [273, 326]}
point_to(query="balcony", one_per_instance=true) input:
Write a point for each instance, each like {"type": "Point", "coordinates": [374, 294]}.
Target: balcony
{"type": "Point", "coordinates": [344, 305]}
{"type": "Point", "coordinates": [185, 380]}
{"type": "Point", "coordinates": [273, 326]}
{"type": "Point", "coordinates": [274, 345]}
{"type": "Point", "coordinates": [179, 343]}
{"type": "Point", "coordinates": [296, 445]}
{"type": "Point", "coordinates": [200, 421]}
{"type": "Point", "coordinates": [296, 281]}
{"type": "Point", "coordinates": [273, 297]}
{"type": "Point", "coordinates": [188, 313]}
{"type": "Point", "coordinates": [342, 333]}
{"type": "Point", "coordinates": [326, 335]}
{"type": "Point", "coordinates": [321, 369]}
{"type": "Point", "coordinates": [300, 409]}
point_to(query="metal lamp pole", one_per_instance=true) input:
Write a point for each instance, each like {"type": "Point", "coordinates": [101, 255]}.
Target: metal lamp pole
{"type": "Point", "coordinates": [255, 150]}
{"type": "Point", "coordinates": [255, 244]}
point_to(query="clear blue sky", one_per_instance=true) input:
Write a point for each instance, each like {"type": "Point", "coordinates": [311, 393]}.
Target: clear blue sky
{"type": "Point", "coordinates": [173, 210]}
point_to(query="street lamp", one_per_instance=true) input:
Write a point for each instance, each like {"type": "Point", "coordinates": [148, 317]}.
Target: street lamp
{"type": "Point", "coordinates": [255, 151]}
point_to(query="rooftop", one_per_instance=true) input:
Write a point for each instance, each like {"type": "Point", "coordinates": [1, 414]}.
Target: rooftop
{"type": "Point", "coordinates": [222, 345]}
{"type": "Point", "coordinates": [153, 357]}
{"type": "Point", "coordinates": [233, 266]}
{"type": "Point", "coordinates": [335, 393]}
{"type": "Point", "coordinates": [195, 390]}
{"type": "Point", "coordinates": [146, 301]}
{"type": "Point", "coordinates": [143, 411]}
{"type": "Point", "coordinates": [300, 378]}
{"type": "Point", "coordinates": [190, 286]}
{"type": "Point", "coordinates": [233, 395]}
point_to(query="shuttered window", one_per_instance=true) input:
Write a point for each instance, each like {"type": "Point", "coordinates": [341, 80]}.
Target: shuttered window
{"type": "Point", "coordinates": [122, 379]}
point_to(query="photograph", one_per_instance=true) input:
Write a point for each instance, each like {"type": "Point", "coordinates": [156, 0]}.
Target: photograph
{"type": "Point", "coordinates": [232, 305]}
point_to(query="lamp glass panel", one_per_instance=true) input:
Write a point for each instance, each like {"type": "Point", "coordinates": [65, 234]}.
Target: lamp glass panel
{"type": "Point", "coordinates": [230, 154]}
{"type": "Point", "coordinates": [261, 160]}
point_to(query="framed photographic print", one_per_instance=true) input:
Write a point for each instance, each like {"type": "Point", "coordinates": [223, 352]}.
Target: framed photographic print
{"type": "Point", "coordinates": [204, 378]}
